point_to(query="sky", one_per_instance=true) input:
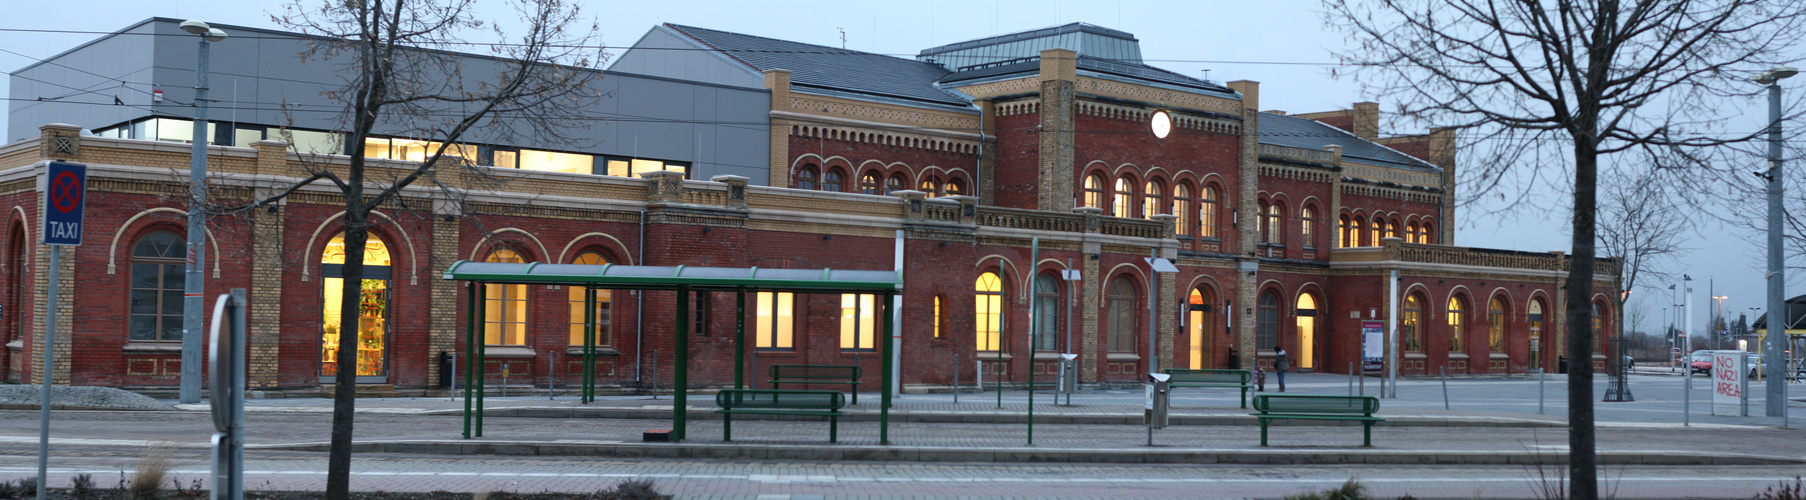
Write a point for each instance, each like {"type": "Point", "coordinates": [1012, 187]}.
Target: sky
{"type": "Point", "coordinates": [1284, 44]}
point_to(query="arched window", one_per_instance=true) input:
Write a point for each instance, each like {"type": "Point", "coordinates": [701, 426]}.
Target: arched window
{"type": "Point", "coordinates": [1429, 235]}
{"type": "Point", "coordinates": [1307, 226]}
{"type": "Point", "coordinates": [1125, 198]}
{"type": "Point", "coordinates": [989, 311]}
{"type": "Point", "coordinates": [1182, 210]}
{"type": "Point", "coordinates": [1266, 325]}
{"type": "Point", "coordinates": [870, 183]}
{"type": "Point", "coordinates": [1342, 239]}
{"type": "Point", "coordinates": [833, 180]}
{"type": "Point", "coordinates": [1047, 312]}
{"type": "Point", "coordinates": [1598, 331]}
{"type": "Point", "coordinates": [505, 311]}
{"type": "Point", "coordinates": [157, 286]}
{"type": "Point", "coordinates": [1495, 325]}
{"type": "Point", "coordinates": [1392, 229]}
{"type": "Point", "coordinates": [1411, 233]}
{"type": "Point", "coordinates": [895, 183]}
{"type": "Point", "coordinates": [1275, 224]}
{"type": "Point", "coordinates": [956, 187]}
{"type": "Point", "coordinates": [1199, 324]}
{"type": "Point", "coordinates": [1356, 230]}
{"type": "Point", "coordinates": [1153, 200]}
{"type": "Point", "coordinates": [931, 185]}
{"type": "Point", "coordinates": [1094, 191]}
{"type": "Point", "coordinates": [1207, 213]}
{"type": "Point", "coordinates": [1302, 356]}
{"type": "Point", "coordinates": [602, 312]}
{"type": "Point", "coordinates": [1378, 233]}
{"type": "Point", "coordinates": [370, 329]}
{"type": "Point", "coordinates": [1457, 324]}
{"type": "Point", "coordinates": [1410, 329]}
{"type": "Point", "coordinates": [805, 177]}
{"type": "Point", "coordinates": [1121, 302]}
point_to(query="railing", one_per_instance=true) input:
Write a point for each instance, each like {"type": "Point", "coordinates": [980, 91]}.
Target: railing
{"type": "Point", "coordinates": [1030, 219]}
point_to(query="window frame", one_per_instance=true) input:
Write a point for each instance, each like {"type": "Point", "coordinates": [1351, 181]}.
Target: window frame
{"type": "Point", "coordinates": [806, 178]}
{"type": "Point", "coordinates": [1457, 322]}
{"type": "Point", "coordinates": [1094, 191]}
{"type": "Point", "coordinates": [771, 331]}
{"type": "Point", "coordinates": [988, 311]}
{"type": "Point", "coordinates": [159, 316]}
{"type": "Point", "coordinates": [1266, 325]}
{"type": "Point", "coordinates": [1497, 317]}
{"type": "Point", "coordinates": [833, 179]}
{"type": "Point", "coordinates": [499, 299]}
{"type": "Point", "coordinates": [604, 334]}
{"type": "Point", "coordinates": [1182, 209]}
{"type": "Point", "coordinates": [1411, 323]}
{"type": "Point", "coordinates": [1120, 299]}
{"type": "Point", "coordinates": [1207, 212]}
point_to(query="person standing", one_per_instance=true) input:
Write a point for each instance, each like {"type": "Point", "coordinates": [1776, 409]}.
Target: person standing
{"type": "Point", "coordinates": [1280, 365]}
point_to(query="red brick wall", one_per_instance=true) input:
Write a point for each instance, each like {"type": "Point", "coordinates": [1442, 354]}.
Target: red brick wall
{"type": "Point", "coordinates": [1018, 166]}
{"type": "Point", "coordinates": [914, 161]}
{"type": "Point", "coordinates": [1116, 147]}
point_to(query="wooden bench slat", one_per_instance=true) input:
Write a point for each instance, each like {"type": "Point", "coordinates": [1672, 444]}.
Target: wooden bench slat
{"type": "Point", "coordinates": [818, 374]}
{"type": "Point", "coordinates": [779, 402]}
{"type": "Point", "coordinates": [1270, 407]}
{"type": "Point", "coordinates": [1212, 378]}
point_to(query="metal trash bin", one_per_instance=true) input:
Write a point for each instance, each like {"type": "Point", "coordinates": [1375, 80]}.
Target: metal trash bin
{"type": "Point", "coordinates": [1155, 409]}
{"type": "Point", "coordinates": [1067, 381]}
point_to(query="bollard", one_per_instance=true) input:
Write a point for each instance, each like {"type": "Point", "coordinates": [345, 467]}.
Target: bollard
{"type": "Point", "coordinates": [454, 372]}
{"type": "Point", "coordinates": [1687, 399]}
{"type": "Point", "coordinates": [1445, 388]}
{"type": "Point", "coordinates": [1351, 379]}
{"type": "Point", "coordinates": [955, 379]}
{"type": "Point", "coordinates": [505, 367]}
{"type": "Point", "coordinates": [1539, 392]}
{"type": "Point", "coordinates": [552, 371]}
{"type": "Point", "coordinates": [1363, 381]}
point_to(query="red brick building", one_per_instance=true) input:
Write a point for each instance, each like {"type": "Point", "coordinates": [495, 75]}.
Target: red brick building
{"type": "Point", "coordinates": [1287, 231]}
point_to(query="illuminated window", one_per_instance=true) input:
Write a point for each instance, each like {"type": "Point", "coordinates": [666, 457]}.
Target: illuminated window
{"type": "Point", "coordinates": [1207, 213]}
{"type": "Point", "coordinates": [1410, 321]}
{"type": "Point", "coordinates": [1379, 232]}
{"type": "Point", "coordinates": [776, 321]}
{"type": "Point", "coordinates": [621, 166]}
{"type": "Point", "coordinates": [1125, 199]}
{"type": "Point", "coordinates": [858, 315]}
{"type": "Point", "coordinates": [158, 282]}
{"type": "Point", "coordinates": [1094, 191]}
{"type": "Point", "coordinates": [413, 150]}
{"type": "Point", "coordinates": [805, 178]}
{"type": "Point", "coordinates": [895, 183]}
{"type": "Point", "coordinates": [938, 318]}
{"type": "Point", "coordinates": [869, 183]}
{"type": "Point", "coordinates": [1457, 330]}
{"type": "Point", "coordinates": [989, 311]}
{"type": "Point", "coordinates": [505, 311]}
{"type": "Point", "coordinates": [931, 186]}
{"type": "Point", "coordinates": [1355, 231]}
{"type": "Point", "coordinates": [1495, 328]}
{"type": "Point", "coordinates": [1120, 300]}
{"type": "Point", "coordinates": [1047, 312]}
{"type": "Point", "coordinates": [1598, 330]}
{"type": "Point", "coordinates": [1392, 229]}
{"type": "Point", "coordinates": [956, 187]}
{"type": "Point", "coordinates": [833, 180]}
{"type": "Point", "coordinates": [1182, 209]}
{"type": "Point", "coordinates": [1429, 235]}
{"type": "Point", "coordinates": [603, 319]}
{"type": "Point", "coordinates": [1342, 231]}
{"type": "Point", "coordinates": [1151, 203]}
{"type": "Point", "coordinates": [1307, 221]}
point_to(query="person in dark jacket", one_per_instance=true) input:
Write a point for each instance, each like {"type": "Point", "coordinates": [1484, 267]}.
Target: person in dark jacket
{"type": "Point", "coordinates": [1281, 364]}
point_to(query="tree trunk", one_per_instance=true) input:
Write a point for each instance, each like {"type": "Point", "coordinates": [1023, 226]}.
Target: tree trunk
{"type": "Point", "coordinates": [344, 392]}
{"type": "Point", "coordinates": [1581, 461]}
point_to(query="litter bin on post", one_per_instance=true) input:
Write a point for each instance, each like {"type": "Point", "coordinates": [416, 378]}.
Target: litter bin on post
{"type": "Point", "coordinates": [1561, 364]}
{"type": "Point", "coordinates": [445, 369]}
{"type": "Point", "coordinates": [1067, 381]}
{"type": "Point", "coordinates": [1155, 414]}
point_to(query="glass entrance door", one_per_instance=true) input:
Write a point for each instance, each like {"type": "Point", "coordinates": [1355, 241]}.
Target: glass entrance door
{"type": "Point", "coordinates": [372, 328]}
{"type": "Point", "coordinates": [1198, 327]}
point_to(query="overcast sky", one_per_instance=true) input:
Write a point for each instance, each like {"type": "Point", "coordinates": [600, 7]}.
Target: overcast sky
{"type": "Point", "coordinates": [1281, 43]}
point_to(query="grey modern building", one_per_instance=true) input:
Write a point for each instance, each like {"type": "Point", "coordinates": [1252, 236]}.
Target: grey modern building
{"type": "Point", "coordinates": [138, 83]}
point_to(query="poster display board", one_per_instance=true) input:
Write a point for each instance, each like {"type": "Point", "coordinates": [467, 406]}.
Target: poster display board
{"type": "Point", "coordinates": [1730, 390]}
{"type": "Point", "coordinates": [1373, 345]}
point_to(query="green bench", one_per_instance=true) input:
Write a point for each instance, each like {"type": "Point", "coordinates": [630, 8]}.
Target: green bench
{"type": "Point", "coordinates": [776, 402]}
{"type": "Point", "coordinates": [847, 375]}
{"type": "Point", "coordinates": [1269, 407]}
{"type": "Point", "coordinates": [1242, 379]}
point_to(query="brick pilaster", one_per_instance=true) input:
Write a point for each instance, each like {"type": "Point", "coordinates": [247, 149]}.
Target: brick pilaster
{"type": "Point", "coordinates": [1247, 184]}
{"type": "Point", "coordinates": [778, 82]}
{"type": "Point", "coordinates": [1090, 297]}
{"type": "Point", "coordinates": [446, 328]}
{"type": "Point", "coordinates": [1059, 74]}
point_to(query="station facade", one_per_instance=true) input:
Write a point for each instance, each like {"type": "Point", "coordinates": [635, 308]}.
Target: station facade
{"type": "Point", "coordinates": [1037, 170]}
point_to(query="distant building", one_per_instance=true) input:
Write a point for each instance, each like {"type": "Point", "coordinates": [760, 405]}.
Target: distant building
{"type": "Point", "coordinates": [1286, 228]}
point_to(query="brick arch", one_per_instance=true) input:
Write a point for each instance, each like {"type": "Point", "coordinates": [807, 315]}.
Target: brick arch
{"type": "Point", "coordinates": [113, 247]}
{"type": "Point", "coordinates": [493, 236]}
{"type": "Point", "coordinates": [17, 217]}
{"type": "Point", "coordinates": [611, 246]}
{"type": "Point", "coordinates": [408, 242]}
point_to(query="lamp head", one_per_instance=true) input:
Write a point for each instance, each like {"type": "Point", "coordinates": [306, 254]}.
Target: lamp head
{"type": "Point", "coordinates": [195, 27]}
{"type": "Point", "coordinates": [1774, 75]}
{"type": "Point", "coordinates": [214, 35]}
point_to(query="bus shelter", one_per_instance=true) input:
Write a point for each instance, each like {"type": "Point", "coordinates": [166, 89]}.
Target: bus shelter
{"type": "Point", "coordinates": [681, 279]}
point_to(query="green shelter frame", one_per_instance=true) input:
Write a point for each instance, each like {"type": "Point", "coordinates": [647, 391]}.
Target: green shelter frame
{"type": "Point", "coordinates": [683, 280]}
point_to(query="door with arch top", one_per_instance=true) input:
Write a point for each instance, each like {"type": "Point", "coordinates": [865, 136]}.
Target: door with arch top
{"type": "Point", "coordinates": [372, 329]}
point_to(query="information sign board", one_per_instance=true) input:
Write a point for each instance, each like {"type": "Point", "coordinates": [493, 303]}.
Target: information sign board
{"type": "Point", "coordinates": [1373, 345]}
{"type": "Point", "coordinates": [65, 194]}
{"type": "Point", "coordinates": [1728, 384]}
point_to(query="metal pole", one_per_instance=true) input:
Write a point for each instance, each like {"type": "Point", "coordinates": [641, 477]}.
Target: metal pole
{"type": "Point", "coordinates": [1351, 378]}
{"type": "Point", "coordinates": [195, 277]}
{"type": "Point", "coordinates": [454, 375]}
{"type": "Point", "coordinates": [1687, 398]}
{"type": "Point", "coordinates": [49, 358]}
{"type": "Point", "coordinates": [654, 371]}
{"type": "Point", "coordinates": [1034, 329]}
{"type": "Point", "coordinates": [956, 371]}
{"type": "Point", "coordinates": [1391, 337]}
{"type": "Point", "coordinates": [681, 365]}
{"type": "Point", "coordinates": [552, 371]}
{"type": "Point", "coordinates": [1445, 387]}
{"type": "Point", "coordinates": [740, 338]}
{"type": "Point", "coordinates": [884, 396]}
{"type": "Point", "coordinates": [1777, 315]}
{"type": "Point", "coordinates": [470, 344]}
{"type": "Point", "coordinates": [1539, 391]}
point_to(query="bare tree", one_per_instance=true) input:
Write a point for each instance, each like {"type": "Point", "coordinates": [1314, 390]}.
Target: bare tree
{"type": "Point", "coordinates": [405, 76]}
{"type": "Point", "coordinates": [1560, 82]}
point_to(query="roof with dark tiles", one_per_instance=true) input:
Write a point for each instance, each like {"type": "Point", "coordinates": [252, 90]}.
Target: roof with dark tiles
{"type": "Point", "coordinates": [831, 67]}
{"type": "Point", "coordinates": [1292, 131]}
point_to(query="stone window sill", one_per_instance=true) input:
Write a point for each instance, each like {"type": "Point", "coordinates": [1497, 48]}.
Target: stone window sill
{"type": "Point", "coordinates": [1462, 356]}
{"type": "Point", "coordinates": [577, 350]}
{"type": "Point", "coordinates": [16, 345]}
{"type": "Point", "coordinates": [154, 347]}
{"type": "Point", "coordinates": [508, 351]}
{"type": "Point", "coordinates": [1500, 355]}
{"type": "Point", "coordinates": [994, 356]}
{"type": "Point", "coordinates": [1123, 356]}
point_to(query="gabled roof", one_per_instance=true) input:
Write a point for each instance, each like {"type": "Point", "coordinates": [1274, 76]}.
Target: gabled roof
{"type": "Point", "coordinates": [1292, 131]}
{"type": "Point", "coordinates": [831, 68]}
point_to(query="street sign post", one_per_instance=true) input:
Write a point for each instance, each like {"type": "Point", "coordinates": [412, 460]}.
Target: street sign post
{"type": "Point", "coordinates": [65, 194]}
{"type": "Point", "coordinates": [226, 365]}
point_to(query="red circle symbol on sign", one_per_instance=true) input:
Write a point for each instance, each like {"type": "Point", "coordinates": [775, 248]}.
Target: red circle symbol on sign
{"type": "Point", "coordinates": [65, 192]}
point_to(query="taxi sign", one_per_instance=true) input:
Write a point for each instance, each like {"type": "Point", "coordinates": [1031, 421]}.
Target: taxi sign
{"type": "Point", "coordinates": [65, 194]}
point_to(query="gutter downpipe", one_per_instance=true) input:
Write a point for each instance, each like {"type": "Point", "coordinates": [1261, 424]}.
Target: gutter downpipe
{"type": "Point", "coordinates": [639, 311]}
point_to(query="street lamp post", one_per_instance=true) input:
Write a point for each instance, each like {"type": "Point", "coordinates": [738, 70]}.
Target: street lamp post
{"type": "Point", "coordinates": [1777, 320]}
{"type": "Point", "coordinates": [195, 282]}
